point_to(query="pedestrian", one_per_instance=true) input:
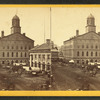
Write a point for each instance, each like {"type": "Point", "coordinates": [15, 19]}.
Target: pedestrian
{"type": "Point", "coordinates": [51, 78]}
{"type": "Point", "coordinates": [48, 75]}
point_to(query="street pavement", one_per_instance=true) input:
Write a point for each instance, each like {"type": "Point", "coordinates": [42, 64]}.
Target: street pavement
{"type": "Point", "coordinates": [23, 82]}
{"type": "Point", "coordinates": [74, 78]}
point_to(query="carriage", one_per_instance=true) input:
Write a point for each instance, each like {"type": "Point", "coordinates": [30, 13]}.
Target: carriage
{"type": "Point", "coordinates": [91, 68]}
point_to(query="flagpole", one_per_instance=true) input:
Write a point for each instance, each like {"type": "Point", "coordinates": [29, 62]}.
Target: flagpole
{"type": "Point", "coordinates": [50, 25]}
{"type": "Point", "coordinates": [44, 29]}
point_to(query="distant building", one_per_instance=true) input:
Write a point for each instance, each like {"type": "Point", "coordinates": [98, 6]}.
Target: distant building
{"type": "Point", "coordinates": [41, 56]}
{"type": "Point", "coordinates": [14, 47]}
{"type": "Point", "coordinates": [83, 48]}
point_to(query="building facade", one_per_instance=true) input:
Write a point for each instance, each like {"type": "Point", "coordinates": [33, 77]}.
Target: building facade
{"type": "Point", "coordinates": [14, 47]}
{"type": "Point", "coordinates": [41, 56]}
{"type": "Point", "coordinates": [83, 48]}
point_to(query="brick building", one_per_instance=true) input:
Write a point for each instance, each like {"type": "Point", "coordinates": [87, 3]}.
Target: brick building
{"type": "Point", "coordinates": [41, 56]}
{"type": "Point", "coordinates": [85, 47]}
{"type": "Point", "coordinates": [14, 47]}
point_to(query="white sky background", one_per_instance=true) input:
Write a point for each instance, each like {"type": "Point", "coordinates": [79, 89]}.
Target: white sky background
{"type": "Point", "coordinates": [64, 21]}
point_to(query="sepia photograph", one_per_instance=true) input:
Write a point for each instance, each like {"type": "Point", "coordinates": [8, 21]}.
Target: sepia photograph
{"type": "Point", "coordinates": [50, 49]}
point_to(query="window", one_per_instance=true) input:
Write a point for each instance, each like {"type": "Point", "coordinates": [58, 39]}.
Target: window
{"type": "Point", "coordinates": [3, 47]}
{"type": "Point", "coordinates": [32, 57]}
{"type": "Point", "coordinates": [12, 54]}
{"type": "Point", "coordinates": [43, 56]}
{"type": "Point", "coordinates": [7, 54]}
{"type": "Point", "coordinates": [43, 66]}
{"type": "Point", "coordinates": [29, 47]}
{"type": "Point", "coordinates": [35, 64]}
{"type": "Point", "coordinates": [21, 47]}
{"type": "Point", "coordinates": [3, 62]}
{"type": "Point", "coordinates": [48, 66]}
{"type": "Point", "coordinates": [25, 47]}
{"type": "Point", "coordinates": [35, 56]}
{"type": "Point", "coordinates": [16, 61]}
{"type": "Point", "coordinates": [91, 46]}
{"type": "Point", "coordinates": [96, 46]}
{"type": "Point", "coordinates": [82, 53]}
{"type": "Point", "coordinates": [25, 54]}
{"type": "Point", "coordinates": [21, 54]}
{"type": "Point", "coordinates": [96, 54]}
{"type": "Point", "coordinates": [78, 53]}
{"type": "Point", "coordinates": [48, 56]}
{"type": "Point", "coordinates": [39, 64]}
{"type": "Point", "coordinates": [32, 64]}
{"type": "Point", "coordinates": [87, 53]}
{"type": "Point", "coordinates": [3, 54]}
{"type": "Point", "coordinates": [82, 46]}
{"type": "Point", "coordinates": [91, 53]}
{"type": "Point", "coordinates": [16, 54]}
{"type": "Point", "coordinates": [39, 56]}
{"type": "Point", "coordinates": [16, 47]}
{"type": "Point", "coordinates": [78, 61]}
{"type": "Point", "coordinates": [7, 47]}
{"type": "Point", "coordinates": [12, 47]}
{"type": "Point", "coordinates": [78, 46]}
{"type": "Point", "coordinates": [87, 46]}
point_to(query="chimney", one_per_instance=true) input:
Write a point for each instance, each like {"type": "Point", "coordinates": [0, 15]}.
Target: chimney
{"type": "Point", "coordinates": [48, 41]}
{"type": "Point", "coordinates": [2, 34]}
{"type": "Point", "coordinates": [24, 34]}
{"type": "Point", "coordinates": [77, 32]}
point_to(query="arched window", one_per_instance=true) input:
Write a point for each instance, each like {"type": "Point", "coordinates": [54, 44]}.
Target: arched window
{"type": "Point", "coordinates": [87, 53]}
{"type": "Point", "coordinates": [21, 54]}
{"type": "Point", "coordinates": [96, 54]}
{"type": "Point", "coordinates": [78, 53]}
{"type": "Point", "coordinates": [91, 53]}
{"type": "Point", "coordinates": [25, 54]}
{"type": "Point", "coordinates": [7, 54]}
{"type": "Point", "coordinates": [82, 53]}
{"type": "Point", "coordinates": [16, 54]}
{"type": "Point", "coordinates": [3, 54]}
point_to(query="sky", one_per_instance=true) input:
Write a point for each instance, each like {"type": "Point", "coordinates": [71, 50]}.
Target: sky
{"type": "Point", "coordinates": [35, 21]}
